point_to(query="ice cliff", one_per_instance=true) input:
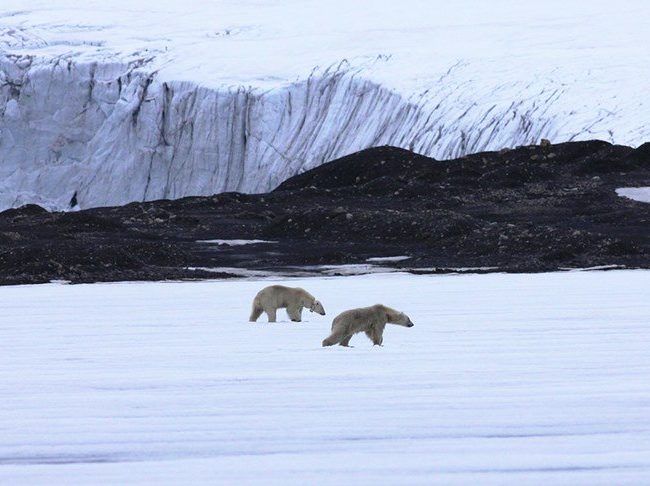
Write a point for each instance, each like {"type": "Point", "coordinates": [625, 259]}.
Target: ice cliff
{"type": "Point", "coordinates": [103, 103]}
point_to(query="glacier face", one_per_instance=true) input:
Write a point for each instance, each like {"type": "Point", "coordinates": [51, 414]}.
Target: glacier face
{"type": "Point", "coordinates": [128, 101]}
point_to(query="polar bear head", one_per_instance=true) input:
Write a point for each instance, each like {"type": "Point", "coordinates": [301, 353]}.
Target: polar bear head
{"type": "Point", "coordinates": [400, 319]}
{"type": "Point", "coordinates": [317, 307]}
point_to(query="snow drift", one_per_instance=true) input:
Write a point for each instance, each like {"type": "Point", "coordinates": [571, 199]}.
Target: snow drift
{"type": "Point", "coordinates": [119, 102]}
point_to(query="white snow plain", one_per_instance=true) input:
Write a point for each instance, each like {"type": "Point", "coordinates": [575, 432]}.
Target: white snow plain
{"type": "Point", "coordinates": [130, 100]}
{"type": "Point", "coordinates": [505, 379]}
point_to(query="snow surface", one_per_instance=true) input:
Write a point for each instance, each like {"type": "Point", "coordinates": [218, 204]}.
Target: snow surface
{"type": "Point", "coordinates": [130, 100]}
{"type": "Point", "coordinates": [505, 379]}
{"type": "Point", "coordinates": [641, 194]}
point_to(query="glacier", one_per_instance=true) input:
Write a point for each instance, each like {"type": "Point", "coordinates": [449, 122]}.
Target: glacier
{"type": "Point", "coordinates": [104, 103]}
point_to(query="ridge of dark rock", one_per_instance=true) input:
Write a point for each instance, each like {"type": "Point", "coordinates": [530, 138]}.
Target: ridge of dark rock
{"type": "Point", "coordinates": [533, 208]}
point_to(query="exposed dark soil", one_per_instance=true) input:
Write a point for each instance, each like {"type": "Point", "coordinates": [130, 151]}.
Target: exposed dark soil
{"type": "Point", "coordinates": [529, 209]}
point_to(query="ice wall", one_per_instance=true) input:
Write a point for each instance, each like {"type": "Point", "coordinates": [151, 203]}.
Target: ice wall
{"type": "Point", "coordinates": [113, 133]}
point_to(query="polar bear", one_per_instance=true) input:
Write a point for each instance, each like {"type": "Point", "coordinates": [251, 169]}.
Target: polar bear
{"type": "Point", "coordinates": [371, 320]}
{"type": "Point", "coordinates": [275, 297]}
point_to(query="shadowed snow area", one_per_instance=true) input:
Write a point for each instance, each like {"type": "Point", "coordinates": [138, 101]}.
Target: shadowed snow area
{"type": "Point", "coordinates": [525, 379]}
{"type": "Point", "coordinates": [116, 101]}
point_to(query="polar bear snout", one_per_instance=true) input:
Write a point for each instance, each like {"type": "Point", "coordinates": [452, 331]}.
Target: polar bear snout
{"type": "Point", "coordinates": [403, 320]}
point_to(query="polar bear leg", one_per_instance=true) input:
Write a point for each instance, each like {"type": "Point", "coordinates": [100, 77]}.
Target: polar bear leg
{"type": "Point", "coordinates": [346, 341]}
{"type": "Point", "coordinates": [376, 335]}
{"type": "Point", "coordinates": [271, 312]}
{"type": "Point", "coordinates": [256, 313]}
{"type": "Point", "coordinates": [295, 313]}
{"type": "Point", "coordinates": [333, 338]}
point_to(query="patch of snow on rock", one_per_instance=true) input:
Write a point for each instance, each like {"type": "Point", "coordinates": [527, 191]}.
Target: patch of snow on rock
{"type": "Point", "coordinates": [388, 259]}
{"type": "Point", "coordinates": [641, 194]}
{"type": "Point", "coordinates": [235, 242]}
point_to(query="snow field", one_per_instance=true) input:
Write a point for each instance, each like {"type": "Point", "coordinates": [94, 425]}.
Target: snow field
{"type": "Point", "coordinates": [519, 379]}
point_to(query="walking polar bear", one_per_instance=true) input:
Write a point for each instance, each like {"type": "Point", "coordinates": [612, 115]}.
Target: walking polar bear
{"type": "Point", "coordinates": [275, 297]}
{"type": "Point", "coordinates": [371, 320]}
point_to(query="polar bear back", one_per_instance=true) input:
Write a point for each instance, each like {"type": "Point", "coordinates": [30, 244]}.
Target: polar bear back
{"type": "Point", "coordinates": [279, 296]}
{"type": "Point", "coordinates": [357, 320]}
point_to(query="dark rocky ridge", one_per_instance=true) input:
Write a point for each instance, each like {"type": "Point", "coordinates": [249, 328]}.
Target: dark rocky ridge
{"type": "Point", "coordinates": [528, 209]}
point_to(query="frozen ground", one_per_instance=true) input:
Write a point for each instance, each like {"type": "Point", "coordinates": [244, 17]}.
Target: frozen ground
{"type": "Point", "coordinates": [123, 100]}
{"type": "Point", "coordinates": [505, 379]}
